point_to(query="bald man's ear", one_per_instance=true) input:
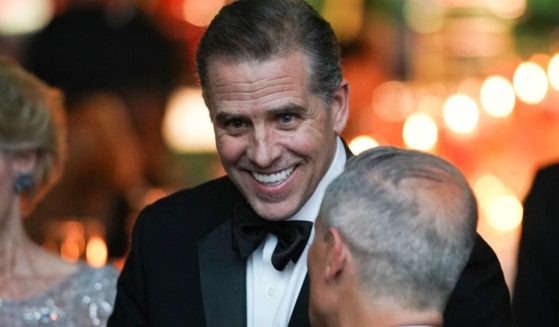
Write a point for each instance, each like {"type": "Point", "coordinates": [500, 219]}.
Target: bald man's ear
{"type": "Point", "coordinates": [337, 255]}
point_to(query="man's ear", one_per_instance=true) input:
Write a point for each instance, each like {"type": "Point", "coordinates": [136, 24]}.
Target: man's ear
{"type": "Point", "coordinates": [24, 161]}
{"type": "Point", "coordinates": [337, 255]}
{"type": "Point", "coordinates": [340, 107]}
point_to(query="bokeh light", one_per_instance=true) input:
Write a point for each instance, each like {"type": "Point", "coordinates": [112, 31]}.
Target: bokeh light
{"type": "Point", "coordinates": [431, 105]}
{"type": "Point", "coordinates": [504, 214]}
{"type": "Point", "coordinates": [461, 114]}
{"type": "Point", "coordinates": [187, 126]}
{"type": "Point", "coordinates": [70, 251]}
{"type": "Point", "coordinates": [201, 13]}
{"type": "Point", "coordinates": [420, 132]}
{"type": "Point", "coordinates": [503, 211]}
{"type": "Point", "coordinates": [96, 252]}
{"type": "Point", "coordinates": [362, 143]}
{"type": "Point", "coordinates": [487, 188]}
{"type": "Point", "coordinates": [346, 17]}
{"type": "Point", "coordinates": [553, 71]}
{"type": "Point", "coordinates": [73, 242]}
{"type": "Point", "coordinates": [497, 96]}
{"type": "Point", "coordinates": [470, 87]}
{"type": "Point", "coordinates": [24, 16]}
{"type": "Point", "coordinates": [424, 16]}
{"type": "Point", "coordinates": [507, 9]}
{"type": "Point", "coordinates": [530, 82]}
{"type": "Point", "coordinates": [393, 101]}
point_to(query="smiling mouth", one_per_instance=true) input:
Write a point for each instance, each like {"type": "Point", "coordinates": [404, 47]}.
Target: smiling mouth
{"type": "Point", "coordinates": [275, 178]}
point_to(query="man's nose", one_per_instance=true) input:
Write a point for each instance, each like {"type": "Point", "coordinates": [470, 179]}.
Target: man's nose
{"type": "Point", "coordinates": [263, 149]}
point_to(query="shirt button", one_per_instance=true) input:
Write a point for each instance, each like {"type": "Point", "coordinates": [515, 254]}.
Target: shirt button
{"type": "Point", "coordinates": [271, 292]}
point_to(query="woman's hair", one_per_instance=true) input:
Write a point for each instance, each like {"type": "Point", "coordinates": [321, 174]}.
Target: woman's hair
{"type": "Point", "coordinates": [32, 119]}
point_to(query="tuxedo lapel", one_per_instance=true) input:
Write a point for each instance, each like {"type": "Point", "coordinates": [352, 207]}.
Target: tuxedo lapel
{"type": "Point", "coordinates": [222, 279]}
{"type": "Point", "coordinates": [300, 315]}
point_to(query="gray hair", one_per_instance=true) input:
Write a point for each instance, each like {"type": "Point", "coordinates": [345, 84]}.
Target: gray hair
{"type": "Point", "coordinates": [409, 219]}
{"type": "Point", "coordinates": [32, 119]}
{"type": "Point", "coordinates": [259, 30]}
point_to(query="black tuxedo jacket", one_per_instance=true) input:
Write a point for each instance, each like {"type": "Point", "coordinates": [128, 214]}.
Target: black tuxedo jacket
{"type": "Point", "coordinates": [182, 270]}
{"type": "Point", "coordinates": [536, 290]}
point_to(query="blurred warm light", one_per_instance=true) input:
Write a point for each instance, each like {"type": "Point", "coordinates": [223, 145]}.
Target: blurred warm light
{"type": "Point", "coordinates": [362, 143]}
{"type": "Point", "coordinates": [24, 16]}
{"type": "Point", "coordinates": [497, 96]}
{"type": "Point", "coordinates": [530, 82]}
{"type": "Point", "coordinates": [201, 13]}
{"type": "Point", "coordinates": [469, 36]}
{"type": "Point", "coordinates": [507, 9]}
{"type": "Point", "coordinates": [96, 252]}
{"type": "Point", "coordinates": [470, 87]}
{"type": "Point", "coordinates": [70, 251]}
{"type": "Point", "coordinates": [553, 71]}
{"type": "Point", "coordinates": [393, 101]}
{"type": "Point", "coordinates": [504, 214]}
{"type": "Point", "coordinates": [346, 17]}
{"type": "Point", "coordinates": [430, 105]}
{"type": "Point", "coordinates": [487, 188]}
{"type": "Point", "coordinates": [73, 241]}
{"type": "Point", "coordinates": [461, 114]}
{"type": "Point", "coordinates": [503, 211]}
{"type": "Point", "coordinates": [420, 132]}
{"type": "Point", "coordinates": [462, 3]}
{"type": "Point", "coordinates": [187, 126]}
{"type": "Point", "coordinates": [540, 58]}
{"type": "Point", "coordinates": [424, 16]}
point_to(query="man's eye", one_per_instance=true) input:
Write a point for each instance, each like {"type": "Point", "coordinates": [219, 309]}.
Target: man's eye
{"type": "Point", "coordinates": [236, 123]}
{"type": "Point", "coordinates": [286, 118]}
{"type": "Point", "coordinates": [235, 126]}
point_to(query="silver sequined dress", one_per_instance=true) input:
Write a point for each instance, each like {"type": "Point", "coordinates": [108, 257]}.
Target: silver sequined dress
{"type": "Point", "coordinates": [83, 299]}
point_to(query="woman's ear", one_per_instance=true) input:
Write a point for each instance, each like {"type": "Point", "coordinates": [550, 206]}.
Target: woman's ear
{"type": "Point", "coordinates": [23, 162]}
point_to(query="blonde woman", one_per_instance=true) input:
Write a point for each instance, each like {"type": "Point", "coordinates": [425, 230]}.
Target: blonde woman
{"type": "Point", "coordinates": [38, 287]}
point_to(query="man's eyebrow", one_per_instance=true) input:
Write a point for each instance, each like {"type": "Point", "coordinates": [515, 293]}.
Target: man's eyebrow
{"type": "Point", "coordinates": [288, 108]}
{"type": "Point", "coordinates": [225, 116]}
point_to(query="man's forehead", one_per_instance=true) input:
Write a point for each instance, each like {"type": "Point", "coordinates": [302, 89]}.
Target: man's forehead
{"type": "Point", "coordinates": [258, 82]}
{"type": "Point", "coordinates": [278, 61]}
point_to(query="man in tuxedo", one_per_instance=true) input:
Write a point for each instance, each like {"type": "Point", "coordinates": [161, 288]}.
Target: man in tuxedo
{"type": "Point", "coordinates": [393, 234]}
{"type": "Point", "coordinates": [536, 289]}
{"type": "Point", "coordinates": [207, 256]}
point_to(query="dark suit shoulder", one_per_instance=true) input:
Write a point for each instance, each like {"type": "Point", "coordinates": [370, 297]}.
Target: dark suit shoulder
{"type": "Point", "coordinates": [542, 194]}
{"type": "Point", "coordinates": [193, 211]}
{"type": "Point", "coordinates": [214, 192]}
{"type": "Point", "coordinates": [536, 287]}
{"type": "Point", "coordinates": [549, 173]}
{"type": "Point", "coordinates": [160, 282]}
{"type": "Point", "coordinates": [549, 168]}
{"type": "Point", "coordinates": [481, 297]}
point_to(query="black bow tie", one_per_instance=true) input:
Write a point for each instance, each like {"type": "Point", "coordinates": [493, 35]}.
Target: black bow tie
{"type": "Point", "coordinates": [249, 230]}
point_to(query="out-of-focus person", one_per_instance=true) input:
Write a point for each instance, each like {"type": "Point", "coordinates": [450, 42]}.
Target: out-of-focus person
{"type": "Point", "coordinates": [38, 288]}
{"type": "Point", "coordinates": [536, 289]}
{"type": "Point", "coordinates": [117, 69]}
{"type": "Point", "coordinates": [393, 234]}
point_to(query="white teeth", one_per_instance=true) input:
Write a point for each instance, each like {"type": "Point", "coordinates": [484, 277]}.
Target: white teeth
{"type": "Point", "coordinates": [275, 178]}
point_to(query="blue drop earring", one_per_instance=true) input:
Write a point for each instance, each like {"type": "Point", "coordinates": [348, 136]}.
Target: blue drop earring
{"type": "Point", "coordinates": [23, 182]}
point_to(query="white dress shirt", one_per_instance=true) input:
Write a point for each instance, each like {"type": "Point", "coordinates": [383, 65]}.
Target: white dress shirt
{"type": "Point", "coordinates": [272, 294]}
